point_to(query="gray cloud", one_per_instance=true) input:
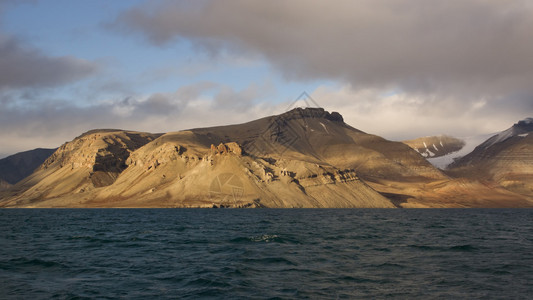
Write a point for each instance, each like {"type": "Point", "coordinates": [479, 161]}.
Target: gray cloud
{"type": "Point", "coordinates": [457, 67]}
{"type": "Point", "coordinates": [398, 116]}
{"type": "Point", "coordinates": [22, 67]}
{"type": "Point", "coordinates": [402, 116]}
{"type": "Point", "coordinates": [472, 48]}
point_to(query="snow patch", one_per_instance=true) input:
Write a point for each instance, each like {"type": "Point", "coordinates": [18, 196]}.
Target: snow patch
{"type": "Point", "coordinates": [519, 129]}
{"type": "Point", "coordinates": [500, 137]}
{"type": "Point", "coordinates": [324, 127]}
{"type": "Point", "coordinates": [435, 147]}
{"type": "Point", "coordinates": [523, 135]}
{"type": "Point", "coordinates": [471, 142]}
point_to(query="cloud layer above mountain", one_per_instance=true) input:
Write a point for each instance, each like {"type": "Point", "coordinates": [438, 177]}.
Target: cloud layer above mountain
{"type": "Point", "coordinates": [470, 48]}
{"type": "Point", "coordinates": [400, 69]}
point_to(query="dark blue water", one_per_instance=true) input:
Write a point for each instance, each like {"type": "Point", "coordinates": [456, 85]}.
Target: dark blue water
{"type": "Point", "coordinates": [262, 253]}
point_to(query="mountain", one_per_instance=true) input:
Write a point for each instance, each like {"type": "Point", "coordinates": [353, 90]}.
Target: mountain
{"type": "Point", "coordinates": [302, 158]}
{"type": "Point", "coordinates": [436, 146]}
{"type": "Point", "coordinates": [4, 185]}
{"type": "Point", "coordinates": [443, 150]}
{"type": "Point", "coordinates": [470, 143]}
{"type": "Point", "coordinates": [16, 167]}
{"type": "Point", "coordinates": [92, 160]}
{"type": "Point", "coordinates": [318, 136]}
{"type": "Point", "coordinates": [505, 158]}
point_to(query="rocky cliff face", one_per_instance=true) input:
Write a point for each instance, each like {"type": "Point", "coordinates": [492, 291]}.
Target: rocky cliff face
{"type": "Point", "coordinates": [89, 162]}
{"type": "Point", "coordinates": [102, 153]}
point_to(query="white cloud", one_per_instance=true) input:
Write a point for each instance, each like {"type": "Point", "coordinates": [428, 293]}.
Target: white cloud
{"type": "Point", "coordinates": [401, 115]}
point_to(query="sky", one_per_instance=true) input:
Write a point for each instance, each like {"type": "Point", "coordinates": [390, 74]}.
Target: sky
{"type": "Point", "coordinates": [400, 69]}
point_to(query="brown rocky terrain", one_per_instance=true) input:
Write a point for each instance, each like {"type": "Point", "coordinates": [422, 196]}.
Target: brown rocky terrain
{"type": "Point", "coordinates": [302, 158]}
{"type": "Point", "coordinates": [4, 185]}
{"type": "Point", "coordinates": [505, 159]}
{"type": "Point", "coordinates": [89, 162]}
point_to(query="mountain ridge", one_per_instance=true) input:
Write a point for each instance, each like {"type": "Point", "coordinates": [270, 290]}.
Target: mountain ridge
{"type": "Point", "coordinates": [302, 158]}
{"type": "Point", "coordinates": [436, 146]}
{"type": "Point", "coordinates": [18, 166]}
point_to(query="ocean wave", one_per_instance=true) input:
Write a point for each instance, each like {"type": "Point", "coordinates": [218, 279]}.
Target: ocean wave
{"type": "Point", "coordinates": [30, 263]}
{"type": "Point", "coordinates": [264, 238]}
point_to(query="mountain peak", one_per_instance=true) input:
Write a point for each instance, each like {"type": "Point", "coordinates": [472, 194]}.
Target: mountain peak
{"type": "Point", "coordinates": [527, 122]}
{"type": "Point", "coordinates": [100, 130]}
{"type": "Point", "coordinates": [522, 127]}
{"type": "Point", "coordinates": [312, 112]}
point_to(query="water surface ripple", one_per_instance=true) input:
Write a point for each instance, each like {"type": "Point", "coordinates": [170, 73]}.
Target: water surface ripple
{"type": "Point", "coordinates": [266, 253]}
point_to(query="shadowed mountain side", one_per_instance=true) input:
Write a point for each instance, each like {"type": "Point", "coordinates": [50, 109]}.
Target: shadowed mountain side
{"type": "Point", "coordinates": [88, 162]}
{"type": "Point", "coordinates": [4, 185]}
{"type": "Point", "coordinates": [16, 167]}
{"type": "Point", "coordinates": [450, 193]}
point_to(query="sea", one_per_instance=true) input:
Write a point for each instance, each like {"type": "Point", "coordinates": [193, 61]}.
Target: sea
{"type": "Point", "coordinates": [266, 253]}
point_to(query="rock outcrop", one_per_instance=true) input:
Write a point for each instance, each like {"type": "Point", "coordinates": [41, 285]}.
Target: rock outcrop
{"type": "Point", "coordinates": [225, 148]}
{"type": "Point", "coordinates": [91, 161]}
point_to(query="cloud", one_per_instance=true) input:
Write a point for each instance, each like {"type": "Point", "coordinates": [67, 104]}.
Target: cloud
{"type": "Point", "coordinates": [24, 67]}
{"type": "Point", "coordinates": [401, 69]}
{"type": "Point", "coordinates": [401, 116]}
{"type": "Point", "coordinates": [198, 105]}
{"type": "Point", "coordinates": [463, 48]}
{"type": "Point", "coordinates": [396, 115]}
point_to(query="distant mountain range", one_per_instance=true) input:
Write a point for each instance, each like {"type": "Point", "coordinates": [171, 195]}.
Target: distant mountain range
{"type": "Point", "coordinates": [302, 158]}
{"type": "Point", "coordinates": [16, 167]}
{"type": "Point", "coordinates": [436, 146]}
